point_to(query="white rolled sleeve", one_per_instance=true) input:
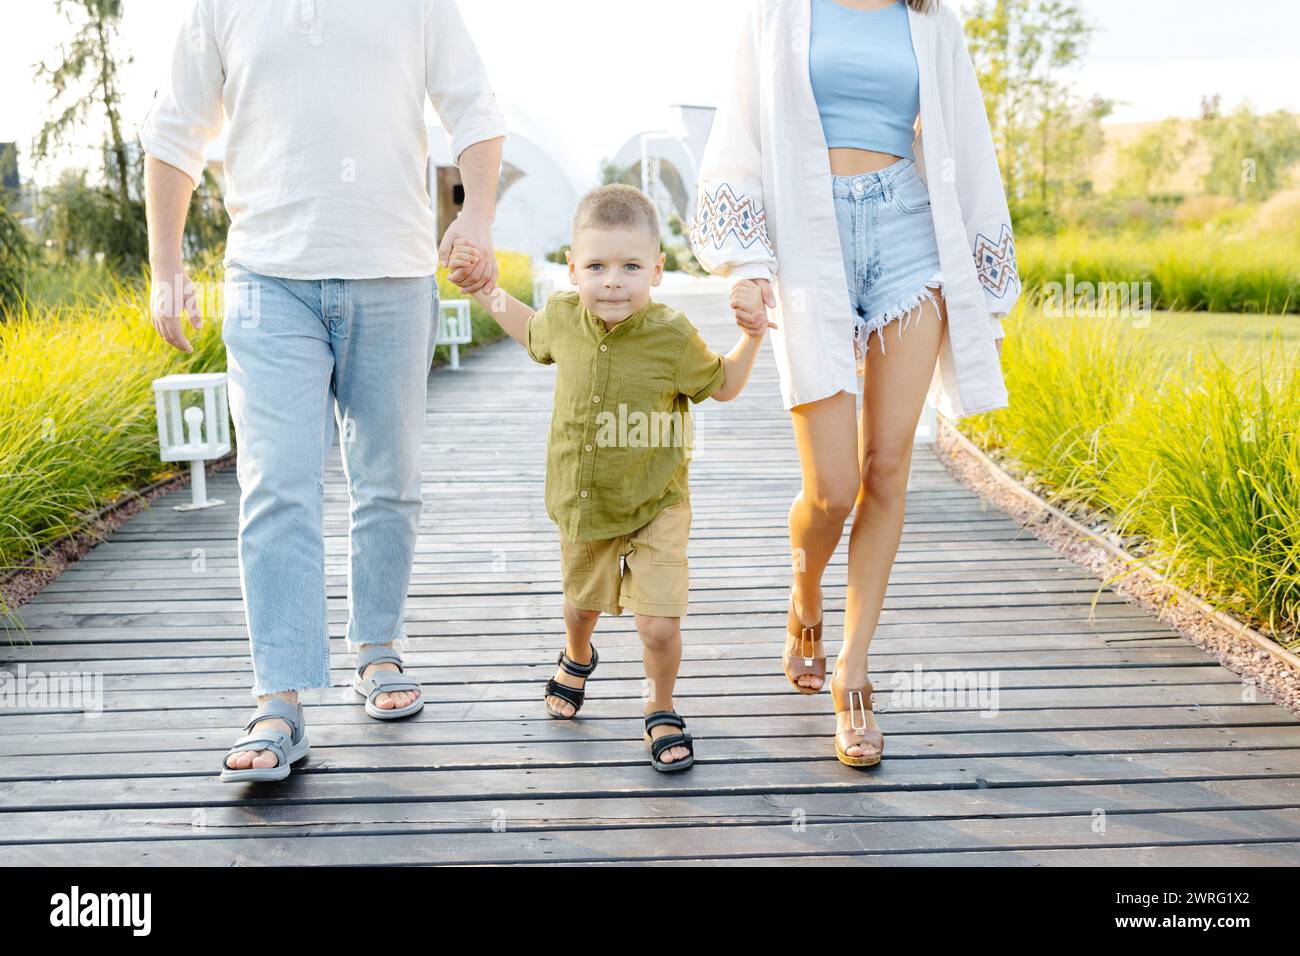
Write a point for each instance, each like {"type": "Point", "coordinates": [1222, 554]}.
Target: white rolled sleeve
{"type": "Point", "coordinates": [457, 81]}
{"type": "Point", "coordinates": [186, 113]}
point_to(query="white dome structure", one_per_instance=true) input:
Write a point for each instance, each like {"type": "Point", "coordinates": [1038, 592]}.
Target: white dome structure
{"type": "Point", "coordinates": [535, 199]}
{"type": "Point", "coordinates": [666, 162]}
{"type": "Point", "coordinates": [540, 185]}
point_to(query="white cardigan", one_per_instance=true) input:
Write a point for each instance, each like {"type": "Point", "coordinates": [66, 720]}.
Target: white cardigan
{"type": "Point", "coordinates": [766, 209]}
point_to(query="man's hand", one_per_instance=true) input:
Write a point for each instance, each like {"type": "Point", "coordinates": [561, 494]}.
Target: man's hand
{"type": "Point", "coordinates": [750, 301]}
{"type": "Point", "coordinates": [482, 277]}
{"type": "Point", "coordinates": [170, 294]}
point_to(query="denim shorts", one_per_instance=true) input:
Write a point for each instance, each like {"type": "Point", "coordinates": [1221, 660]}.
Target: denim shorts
{"type": "Point", "coordinates": [891, 258]}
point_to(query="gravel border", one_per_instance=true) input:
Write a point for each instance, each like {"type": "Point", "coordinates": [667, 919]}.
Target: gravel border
{"type": "Point", "coordinates": [1085, 540]}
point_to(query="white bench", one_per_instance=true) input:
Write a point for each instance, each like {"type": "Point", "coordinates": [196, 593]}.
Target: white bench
{"type": "Point", "coordinates": [455, 327]}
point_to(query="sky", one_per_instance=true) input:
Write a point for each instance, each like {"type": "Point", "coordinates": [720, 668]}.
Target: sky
{"type": "Point", "coordinates": [591, 73]}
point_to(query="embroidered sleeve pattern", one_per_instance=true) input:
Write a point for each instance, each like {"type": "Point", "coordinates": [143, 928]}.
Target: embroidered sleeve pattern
{"type": "Point", "coordinates": [725, 215]}
{"type": "Point", "coordinates": [996, 262]}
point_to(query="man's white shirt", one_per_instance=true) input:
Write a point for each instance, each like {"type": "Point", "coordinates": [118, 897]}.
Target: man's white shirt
{"type": "Point", "coordinates": [326, 152]}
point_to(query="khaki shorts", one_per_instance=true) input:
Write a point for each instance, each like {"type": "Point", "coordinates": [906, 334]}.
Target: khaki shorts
{"type": "Point", "coordinates": [653, 577]}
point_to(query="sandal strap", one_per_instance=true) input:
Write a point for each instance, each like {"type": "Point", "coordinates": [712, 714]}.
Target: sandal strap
{"type": "Point", "coordinates": [797, 648]}
{"type": "Point", "coordinates": [574, 695]}
{"type": "Point", "coordinates": [387, 682]}
{"type": "Point", "coordinates": [668, 741]}
{"type": "Point", "coordinates": [368, 654]}
{"type": "Point", "coordinates": [573, 668]}
{"type": "Point", "coordinates": [279, 708]}
{"type": "Point", "coordinates": [664, 717]}
{"type": "Point", "coordinates": [276, 741]}
{"type": "Point", "coordinates": [856, 700]}
{"type": "Point", "coordinates": [802, 641]}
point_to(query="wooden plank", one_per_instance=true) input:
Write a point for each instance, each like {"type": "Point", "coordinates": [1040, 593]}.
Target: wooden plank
{"type": "Point", "coordinates": [579, 812]}
{"type": "Point", "coordinates": [1275, 827]}
{"type": "Point", "coordinates": [772, 721]}
{"type": "Point", "coordinates": [739, 744]}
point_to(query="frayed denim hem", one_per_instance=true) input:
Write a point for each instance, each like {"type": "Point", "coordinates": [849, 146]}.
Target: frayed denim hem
{"type": "Point", "coordinates": [904, 310]}
{"type": "Point", "coordinates": [400, 644]}
{"type": "Point", "coordinates": [306, 686]}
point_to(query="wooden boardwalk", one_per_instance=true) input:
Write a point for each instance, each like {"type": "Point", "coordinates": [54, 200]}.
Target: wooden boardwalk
{"type": "Point", "coordinates": [1115, 741]}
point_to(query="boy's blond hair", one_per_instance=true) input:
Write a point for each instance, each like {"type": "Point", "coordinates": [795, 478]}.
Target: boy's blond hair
{"type": "Point", "coordinates": [617, 206]}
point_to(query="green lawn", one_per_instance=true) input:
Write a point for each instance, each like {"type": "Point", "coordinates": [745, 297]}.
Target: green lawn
{"type": "Point", "coordinates": [1224, 330]}
{"type": "Point", "coordinates": [1233, 335]}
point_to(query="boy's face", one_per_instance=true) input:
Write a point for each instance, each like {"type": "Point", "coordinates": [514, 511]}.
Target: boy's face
{"type": "Point", "coordinates": [614, 270]}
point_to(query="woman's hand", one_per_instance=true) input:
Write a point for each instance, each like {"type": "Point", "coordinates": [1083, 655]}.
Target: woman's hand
{"type": "Point", "coordinates": [750, 301]}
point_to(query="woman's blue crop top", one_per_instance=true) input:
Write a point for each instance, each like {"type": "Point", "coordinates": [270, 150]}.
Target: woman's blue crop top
{"type": "Point", "coordinates": [864, 77]}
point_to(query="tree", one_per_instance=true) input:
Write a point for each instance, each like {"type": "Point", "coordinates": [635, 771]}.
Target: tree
{"type": "Point", "coordinates": [1250, 153]}
{"type": "Point", "coordinates": [86, 215]}
{"type": "Point", "coordinates": [611, 172]}
{"type": "Point", "coordinates": [82, 219]}
{"type": "Point", "coordinates": [87, 77]}
{"type": "Point", "coordinates": [1044, 133]}
{"type": "Point", "coordinates": [15, 257]}
{"type": "Point", "coordinates": [1152, 157]}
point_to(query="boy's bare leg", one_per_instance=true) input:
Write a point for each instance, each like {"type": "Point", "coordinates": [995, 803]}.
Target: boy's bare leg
{"type": "Point", "coordinates": [579, 624]}
{"type": "Point", "coordinates": [662, 637]}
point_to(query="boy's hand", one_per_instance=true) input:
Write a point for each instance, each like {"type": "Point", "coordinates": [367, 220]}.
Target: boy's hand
{"type": "Point", "coordinates": [750, 301]}
{"type": "Point", "coordinates": [478, 230]}
{"type": "Point", "coordinates": [464, 257]}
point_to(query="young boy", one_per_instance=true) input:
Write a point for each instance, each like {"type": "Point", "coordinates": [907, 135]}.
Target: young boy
{"type": "Point", "coordinates": [617, 455]}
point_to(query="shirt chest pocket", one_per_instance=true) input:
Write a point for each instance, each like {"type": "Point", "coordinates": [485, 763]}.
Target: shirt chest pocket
{"type": "Point", "coordinates": [646, 391]}
{"type": "Point", "coordinates": [649, 414]}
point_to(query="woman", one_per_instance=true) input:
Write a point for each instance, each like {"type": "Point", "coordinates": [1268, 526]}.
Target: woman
{"type": "Point", "coordinates": [814, 201]}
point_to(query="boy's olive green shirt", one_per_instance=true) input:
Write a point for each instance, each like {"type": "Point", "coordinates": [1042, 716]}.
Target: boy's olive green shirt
{"type": "Point", "coordinates": [620, 437]}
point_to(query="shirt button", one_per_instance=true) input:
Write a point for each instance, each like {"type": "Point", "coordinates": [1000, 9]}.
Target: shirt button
{"type": "Point", "coordinates": [595, 398]}
{"type": "Point", "coordinates": [588, 448]}
{"type": "Point", "coordinates": [604, 348]}
{"type": "Point", "coordinates": [584, 494]}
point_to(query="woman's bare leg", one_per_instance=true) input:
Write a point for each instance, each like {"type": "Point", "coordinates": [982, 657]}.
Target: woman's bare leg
{"type": "Point", "coordinates": [896, 382]}
{"type": "Point", "coordinates": [824, 432]}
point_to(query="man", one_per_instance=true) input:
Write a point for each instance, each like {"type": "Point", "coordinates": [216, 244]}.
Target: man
{"type": "Point", "coordinates": [330, 300]}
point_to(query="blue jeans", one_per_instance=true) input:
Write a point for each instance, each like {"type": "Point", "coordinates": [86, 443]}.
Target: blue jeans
{"type": "Point", "coordinates": [295, 350]}
{"type": "Point", "coordinates": [891, 258]}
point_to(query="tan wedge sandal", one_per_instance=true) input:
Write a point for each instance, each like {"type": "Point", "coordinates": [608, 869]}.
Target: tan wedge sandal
{"type": "Point", "coordinates": [857, 701]}
{"type": "Point", "coordinates": [800, 657]}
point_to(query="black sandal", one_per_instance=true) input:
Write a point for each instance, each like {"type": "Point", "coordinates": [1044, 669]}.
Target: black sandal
{"type": "Point", "coordinates": [659, 744]}
{"type": "Point", "coordinates": [574, 695]}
